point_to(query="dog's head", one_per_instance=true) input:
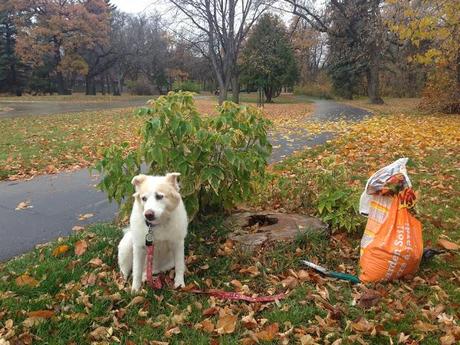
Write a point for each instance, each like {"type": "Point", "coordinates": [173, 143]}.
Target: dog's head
{"type": "Point", "coordinates": [157, 196]}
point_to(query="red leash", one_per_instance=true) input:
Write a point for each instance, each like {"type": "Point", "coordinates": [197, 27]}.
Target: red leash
{"type": "Point", "coordinates": [156, 284]}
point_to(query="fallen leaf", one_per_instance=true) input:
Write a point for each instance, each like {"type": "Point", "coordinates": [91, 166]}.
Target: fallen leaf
{"type": "Point", "coordinates": [95, 262]}
{"type": "Point", "coordinates": [85, 216]}
{"type": "Point", "coordinates": [25, 279]}
{"type": "Point", "coordinates": [307, 339]}
{"type": "Point", "coordinates": [425, 327]}
{"type": "Point", "coordinates": [210, 311]}
{"type": "Point", "coordinates": [269, 333]}
{"type": "Point", "coordinates": [136, 300]}
{"type": "Point", "coordinates": [156, 342]}
{"type": "Point", "coordinates": [78, 228]}
{"type": "Point", "coordinates": [80, 247]}
{"type": "Point", "coordinates": [369, 298]}
{"type": "Point", "coordinates": [207, 325]}
{"type": "Point", "coordinates": [226, 324]}
{"type": "Point", "coordinates": [448, 245]}
{"type": "Point", "coordinates": [170, 332]}
{"type": "Point", "coordinates": [248, 321]}
{"type": "Point", "coordinates": [101, 333]}
{"type": "Point", "coordinates": [290, 282]}
{"type": "Point", "coordinates": [23, 205]}
{"type": "Point", "coordinates": [448, 339]}
{"type": "Point", "coordinates": [253, 271]}
{"type": "Point", "coordinates": [32, 321]}
{"type": "Point", "coordinates": [46, 314]}
{"type": "Point", "coordinates": [58, 251]}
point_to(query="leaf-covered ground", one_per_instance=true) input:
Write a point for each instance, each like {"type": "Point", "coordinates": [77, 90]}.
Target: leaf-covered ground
{"type": "Point", "coordinates": [49, 144]}
{"type": "Point", "coordinates": [70, 291]}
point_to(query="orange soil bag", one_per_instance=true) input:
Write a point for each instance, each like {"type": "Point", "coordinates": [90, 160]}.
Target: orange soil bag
{"type": "Point", "coordinates": [392, 245]}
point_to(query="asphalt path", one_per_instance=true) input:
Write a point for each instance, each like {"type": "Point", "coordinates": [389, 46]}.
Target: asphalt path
{"type": "Point", "coordinates": [58, 201]}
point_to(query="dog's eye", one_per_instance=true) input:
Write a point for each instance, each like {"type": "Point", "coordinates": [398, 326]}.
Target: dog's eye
{"type": "Point", "coordinates": [159, 196]}
{"type": "Point", "coordinates": [144, 198]}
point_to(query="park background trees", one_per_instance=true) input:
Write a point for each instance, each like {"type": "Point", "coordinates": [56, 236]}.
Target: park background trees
{"type": "Point", "coordinates": [345, 48]}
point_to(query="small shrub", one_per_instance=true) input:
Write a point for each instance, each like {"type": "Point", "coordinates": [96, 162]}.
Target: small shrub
{"type": "Point", "coordinates": [186, 85]}
{"type": "Point", "coordinates": [318, 90]}
{"type": "Point", "coordinates": [218, 157]}
{"type": "Point", "coordinates": [139, 87]}
{"type": "Point", "coordinates": [324, 192]}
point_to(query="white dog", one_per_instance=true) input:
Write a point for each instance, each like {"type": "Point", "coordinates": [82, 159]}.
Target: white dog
{"type": "Point", "coordinates": [157, 203]}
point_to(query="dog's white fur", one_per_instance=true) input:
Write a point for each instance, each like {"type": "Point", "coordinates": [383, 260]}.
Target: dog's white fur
{"type": "Point", "coordinates": [159, 194]}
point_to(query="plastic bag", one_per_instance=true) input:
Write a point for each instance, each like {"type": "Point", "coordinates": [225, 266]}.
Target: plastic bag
{"type": "Point", "coordinates": [378, 182]}
{"type": "Point", "coordinates": [396, 247]}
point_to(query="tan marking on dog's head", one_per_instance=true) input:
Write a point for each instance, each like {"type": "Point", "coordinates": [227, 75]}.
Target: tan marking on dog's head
{"type": "Point", "coordinates": [171, 196]}
{"type": "Point", "coordinates": [171, 178]}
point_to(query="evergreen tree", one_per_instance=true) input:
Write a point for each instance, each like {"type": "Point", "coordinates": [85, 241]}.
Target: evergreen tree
{"type": "Point", "coordinates": [12, 77]}
{"type": "Point", "coordinates": [267, 59]}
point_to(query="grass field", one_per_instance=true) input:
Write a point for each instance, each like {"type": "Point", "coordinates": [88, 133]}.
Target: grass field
{"type": "Point", "coordinates": [70, 290]}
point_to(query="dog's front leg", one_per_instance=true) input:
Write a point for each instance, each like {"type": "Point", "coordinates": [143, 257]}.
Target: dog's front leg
{"type": "Point", "coordinates": [138, 267]}
{"type": "Point", "coordinates": [179, 264]}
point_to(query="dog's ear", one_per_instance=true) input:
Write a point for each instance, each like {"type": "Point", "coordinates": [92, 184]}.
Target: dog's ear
{"type": "Point", "coordinates": [137, 180]}
{"type": "Point", "coordinates": [172, 179]}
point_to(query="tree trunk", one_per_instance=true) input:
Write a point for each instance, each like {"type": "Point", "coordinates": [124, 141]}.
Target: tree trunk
{"type": "Point", "coordinates": [60, 83]}
{"type": "Point", "coordinates": [236, 88]}
{"type": "Point", "coordinates": [268, 94]}
{"type": "Point", "coordinates": [373, 81]}
{"type": "Point", "coordinates": [222, 93]}
{"type": "Point", "coordinates": [90, 86]}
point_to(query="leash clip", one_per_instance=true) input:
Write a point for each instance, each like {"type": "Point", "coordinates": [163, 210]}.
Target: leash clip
{"type": "Point", "coordinates": [149, 235]}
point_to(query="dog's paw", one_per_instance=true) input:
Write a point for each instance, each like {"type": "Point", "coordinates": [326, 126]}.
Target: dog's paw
{"type": "Point", "coordinates": [135, 288]}
{"type": "Point", "coordinates": [179, 283]}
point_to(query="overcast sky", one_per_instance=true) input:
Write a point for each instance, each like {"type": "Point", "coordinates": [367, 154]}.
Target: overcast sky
{"type": "Point", "coordinates": [134, 6]}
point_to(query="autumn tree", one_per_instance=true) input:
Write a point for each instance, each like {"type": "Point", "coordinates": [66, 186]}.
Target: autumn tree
{"type": "Point", "coordinates": [267, 60]}
{"type": "Point", "coordinates": [222, 27]}
{"type": "Point", "coordinates": [55, 31]}
{"type": "Point", "coordinates": [356, 32]}
{"type": "Point", "coordinates": [434, 28]}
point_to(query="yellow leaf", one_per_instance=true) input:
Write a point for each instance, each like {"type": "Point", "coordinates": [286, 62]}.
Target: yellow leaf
{"type": "Point", "coordinates": [58, 251]}
{"type": "Point", "coordinates": [25, 279]}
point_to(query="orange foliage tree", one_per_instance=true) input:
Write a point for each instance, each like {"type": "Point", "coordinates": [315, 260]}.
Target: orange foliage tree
{"type": "Point", "coordinates": [54, 32]}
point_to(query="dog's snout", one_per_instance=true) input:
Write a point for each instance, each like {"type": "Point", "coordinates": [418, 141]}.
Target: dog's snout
{"type": "Point", "coordinates": [149, 215]}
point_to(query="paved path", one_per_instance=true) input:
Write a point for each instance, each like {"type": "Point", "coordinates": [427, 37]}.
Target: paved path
{"type": "Point", "coordinates": [58, 200]}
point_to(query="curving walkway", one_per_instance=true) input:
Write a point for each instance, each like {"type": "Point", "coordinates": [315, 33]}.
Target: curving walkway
{"type": "Point", "coordinates": [58, 200]}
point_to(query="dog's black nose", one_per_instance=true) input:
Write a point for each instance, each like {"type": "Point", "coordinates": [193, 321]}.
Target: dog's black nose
{"type": "Point", "coordinates": [149, 215]}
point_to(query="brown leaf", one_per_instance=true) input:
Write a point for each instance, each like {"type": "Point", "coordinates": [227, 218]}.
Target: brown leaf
{"type": "Point", "coordinates": [210, 311]}
{"type": "Point", "coordinates": [269, 333]}
{"type": "Point", "coordinates": [207, 325]}
{"type": "Point", "coordinates": [58, 251]}
{"type": "Point", "coordinates": [226, 324]}
{"type": "Point", "coordinates": [80, 247]}
{"type": "Point", "coordinates": [156, 342]}
{"type": "Point", "coordinates": [425, 327]}
{"type": "Point", "coordinates": [136, 300]}
{"type": "Point", "coordinates": [95, 262]}
{"type": "Point", "coordinates": [78, 228]}
{"type": "Point", "coordinates": [23, 205]}
{"type": "Point", "coordinates": [25, 279]}
{"type": "Point", "coordinates": [46, 314]}
{"type": "Point", "coordinates": [362, 326]}
{"type": "Point", "coordinates": [85, 216]}
{"type": "Point", "coordinates": [448, 245]}
{"type": "Point", "coordinates": [32, 321]}
{"type": "Point", "coordinates": [448, 339]}
{"type": "Point", "coordinates": [290, 282]}
{"type": "Point", "coordinates": [101, 333]}
{"type": "Point", "coordinates": [170, 332]}
{"type": "Point", "coordinates": [253, 271]}
{"type": "Point", "coordinates": [249, 322]}
{"type": "Point", "coordinates": [369, 298]}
